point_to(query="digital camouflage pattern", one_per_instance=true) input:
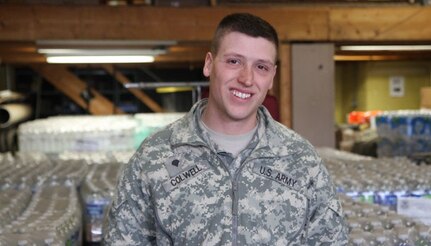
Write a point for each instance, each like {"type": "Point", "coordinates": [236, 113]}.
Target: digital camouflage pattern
{"type": "Point", "coordinates": [178, 189]}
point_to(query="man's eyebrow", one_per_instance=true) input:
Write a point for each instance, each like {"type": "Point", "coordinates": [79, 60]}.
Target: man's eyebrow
{"type": "Point", "coordinates": [234, 55]}
{"type": "Point", "coordinates": [241, 56]}
{"type": "Point", "coordinates": [265, 61]}
{"type": "Point", "coordinates": [269, 62]}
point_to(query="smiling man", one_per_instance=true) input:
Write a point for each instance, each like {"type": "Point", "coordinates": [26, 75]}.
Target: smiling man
{"type": "Point", "coordinates": [227, 173]}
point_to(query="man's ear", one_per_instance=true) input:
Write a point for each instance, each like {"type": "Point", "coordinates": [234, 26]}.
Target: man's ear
{"type": "Point", "coordinates": [208, 64]}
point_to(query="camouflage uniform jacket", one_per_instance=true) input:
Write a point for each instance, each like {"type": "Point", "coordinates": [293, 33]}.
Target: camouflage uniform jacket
{"type": "Point", "coordinates": [178, 190]}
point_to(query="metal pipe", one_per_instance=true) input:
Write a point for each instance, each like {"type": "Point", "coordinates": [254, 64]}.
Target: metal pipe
{"type": "Point", "coordinates": [149, 85]}
{"type": "Point", "coordinates": [8, 96]}
{"type": "Point", "coordinates": [13, 113]}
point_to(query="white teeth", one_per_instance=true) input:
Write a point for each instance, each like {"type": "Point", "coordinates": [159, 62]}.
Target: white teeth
{"type": "Point", "coordinates": [241, 95]}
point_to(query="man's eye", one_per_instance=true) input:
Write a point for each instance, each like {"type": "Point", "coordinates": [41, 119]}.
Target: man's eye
{"type": "Point", "coordinates": [262, 67]}
{"type": "Point", "coordinates": [233, 61]}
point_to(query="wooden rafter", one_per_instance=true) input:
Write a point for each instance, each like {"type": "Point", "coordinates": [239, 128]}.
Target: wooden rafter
{"type": "Point", "coordinates": [153, 105]}
{"type": "Point", "coordinates": [72, 86]}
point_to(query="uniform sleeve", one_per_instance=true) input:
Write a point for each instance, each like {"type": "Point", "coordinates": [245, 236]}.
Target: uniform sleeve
{"type": "Point", "coordinates": [131, 219]}
{"type": "Point", "coordinates": [326, 225]}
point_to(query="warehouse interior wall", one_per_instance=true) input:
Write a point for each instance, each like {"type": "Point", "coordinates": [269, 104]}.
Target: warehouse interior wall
{"type": "Point", "coordinates": [365, 86]}
{"type": "Point", "coordinates": [377, 89]}
{"type": "Point", "coordinates": [346, 86]}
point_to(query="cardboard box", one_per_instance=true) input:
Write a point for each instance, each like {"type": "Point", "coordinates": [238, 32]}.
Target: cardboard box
{"type": "Point", "coordinates": [426, 97]}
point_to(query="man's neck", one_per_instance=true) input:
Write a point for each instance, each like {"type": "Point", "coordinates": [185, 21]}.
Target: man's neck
{"type": "Point", "coordinates": [226, 125]}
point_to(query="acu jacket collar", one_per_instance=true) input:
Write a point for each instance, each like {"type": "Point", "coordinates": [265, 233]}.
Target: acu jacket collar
{"type": "Point", "coordinates": [187, 131]}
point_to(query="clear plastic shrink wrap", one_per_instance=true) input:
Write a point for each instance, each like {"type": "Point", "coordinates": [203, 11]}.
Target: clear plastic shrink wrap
{"type": "Point", "coordinates": [370, 190]}
{"type": "Point", "coordinates": [39, 201]}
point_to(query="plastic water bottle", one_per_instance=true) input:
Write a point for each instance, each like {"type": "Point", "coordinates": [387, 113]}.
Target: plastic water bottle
{"type": "Point", "coordinates": [95, 209]}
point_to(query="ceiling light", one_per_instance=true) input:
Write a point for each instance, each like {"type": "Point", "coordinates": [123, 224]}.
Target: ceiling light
{"type": "Point", "coordinates": [385, 47]}
{"type": "Point", "coordinates": [102, 51]}
{"type": "Point", "coordinates": [99, 59]}
{"type": "Point", "coordinates": [99, 43]}
{"type": "Point", "coordinates": [98, 52]}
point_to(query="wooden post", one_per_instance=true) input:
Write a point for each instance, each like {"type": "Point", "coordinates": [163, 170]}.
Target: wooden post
{"type": "Point", "coordinates": [285, 85]}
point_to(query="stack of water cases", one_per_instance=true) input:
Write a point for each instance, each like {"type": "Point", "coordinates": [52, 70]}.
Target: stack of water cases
{"type": "Point", "coordinates": [98, 186]}
{"type": "Point", "coordinates": [39, 203]}
{"type": "Point", "coordinates": [370, 191]}
{"type": "Point", "coordinates": [91, 158]}
{"type": "Point", "coordinates": [370, 224]}
{"type": "Point", "coordinates": [90, 133]}
{"type": "Point", "coordinates": [148, 123]}
{"type": "Point", "coordinates": [77, 133]}
{"type": "Point", "coordinates": [404, 132]}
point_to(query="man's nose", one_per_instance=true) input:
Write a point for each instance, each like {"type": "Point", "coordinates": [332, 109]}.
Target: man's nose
{"type": "Point", "coordinates": [245, 75]}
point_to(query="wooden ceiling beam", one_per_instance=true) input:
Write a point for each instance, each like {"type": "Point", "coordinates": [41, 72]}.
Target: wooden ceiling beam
{"type": "Point", "coordinates": [395, 57]}
{"type": "Point", "coordinates": [14, 47]}
{"type": "Point", "coordinates": [335, 23]}
{"type": "Point", "coordinates": [21, 58]}
{"type": "Point", "coordinates": [186, 57]}
{"type": "Point", "coordinates": [381, 24]}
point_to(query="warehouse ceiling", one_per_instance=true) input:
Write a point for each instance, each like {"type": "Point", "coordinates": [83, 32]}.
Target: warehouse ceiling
{"type": "Point", "coordinates": [24, 25]}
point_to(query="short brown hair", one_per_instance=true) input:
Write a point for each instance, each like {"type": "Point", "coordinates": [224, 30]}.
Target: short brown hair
{"type": "Point", "coordinates": [245, 23]}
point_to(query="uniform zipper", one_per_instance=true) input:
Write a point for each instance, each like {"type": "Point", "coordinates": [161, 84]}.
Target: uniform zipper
{"type": "Point", "coordinates": [234, 208]}
{"type": "Point", "coordinates": [235, 213]}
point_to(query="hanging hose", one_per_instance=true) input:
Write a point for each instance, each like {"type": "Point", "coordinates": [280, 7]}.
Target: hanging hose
{"type": "Point", "coordinates": [13, 113]}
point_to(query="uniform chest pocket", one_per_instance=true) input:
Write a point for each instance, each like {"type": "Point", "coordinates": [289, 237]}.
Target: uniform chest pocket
{"type": "Point", "coordinates": [276, 201]}
{"type": "Point", "coordinates": [194, 202]}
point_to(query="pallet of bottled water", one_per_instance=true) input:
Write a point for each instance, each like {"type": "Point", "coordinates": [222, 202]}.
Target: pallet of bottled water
{"type": "Point", "coordinates": [403, 132]}
{"type": "Point", "coordinates": [85, 133]}
{"type": "Point", "coordinates": [371, 224]}
{"type": "Point", "coordinates": [39, 201]}
{"type": "Point", "coordinates": [77, 133]}
{"type": "Point", "coordinates": [98, 186]}
{"type": "Point", "coordinates": [371, 190]}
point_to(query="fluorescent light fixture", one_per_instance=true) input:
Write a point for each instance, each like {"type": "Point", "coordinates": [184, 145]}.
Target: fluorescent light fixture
{"type": "Point", "coordinates": [99, 59]}
{"type": "Point", "coordinates": [103, 52]}
{"type": "Point", "coordinates": [385, 47]}
{"type": "Point", "coordinates": [73, 42]}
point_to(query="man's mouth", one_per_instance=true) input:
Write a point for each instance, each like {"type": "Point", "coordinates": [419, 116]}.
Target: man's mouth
{"type": "Point", "coordinates": [241, 95]}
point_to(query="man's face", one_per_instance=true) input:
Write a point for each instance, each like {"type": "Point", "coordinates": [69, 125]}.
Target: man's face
{"type": "Point", "coordinates": [241, 73]}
